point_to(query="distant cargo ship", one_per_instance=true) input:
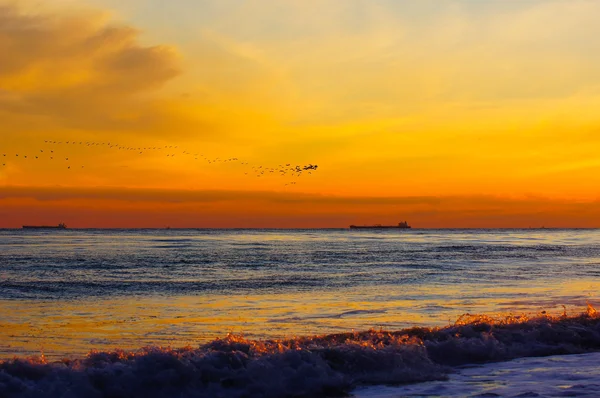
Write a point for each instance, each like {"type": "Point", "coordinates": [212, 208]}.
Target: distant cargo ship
{"type": "Point", "coordinates": [401, 225]}
{"type": "Point", "coordinates": [59, 226]}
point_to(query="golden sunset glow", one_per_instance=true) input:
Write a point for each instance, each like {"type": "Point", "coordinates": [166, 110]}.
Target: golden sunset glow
{"type": "Point", "coordinates": [443, 113]}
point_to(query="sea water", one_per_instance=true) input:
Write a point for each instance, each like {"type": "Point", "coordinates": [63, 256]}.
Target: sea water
{"type": "Point", "coordinates": [64, 293]}
{"type": "Point", "coordinates": [575, 375]}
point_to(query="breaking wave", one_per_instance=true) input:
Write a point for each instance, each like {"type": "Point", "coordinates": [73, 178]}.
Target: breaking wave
{"type": "Point", "coordinates": [315, 366]}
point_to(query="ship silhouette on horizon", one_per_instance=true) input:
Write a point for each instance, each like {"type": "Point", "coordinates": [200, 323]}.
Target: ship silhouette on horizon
{"type": "Point", "coordinates": [59, 226]}
{"type": "Point", "coordinates": [401, 225]}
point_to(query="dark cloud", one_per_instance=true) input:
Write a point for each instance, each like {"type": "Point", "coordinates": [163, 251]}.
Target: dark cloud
{"type": "Point", "coordinates": [124, 207]}
{"type": "Point", "coordinates": [185, 196]}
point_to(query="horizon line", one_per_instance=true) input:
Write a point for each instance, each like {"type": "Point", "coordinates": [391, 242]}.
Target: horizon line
{"type": "Point", "coordinates": [305, 228]}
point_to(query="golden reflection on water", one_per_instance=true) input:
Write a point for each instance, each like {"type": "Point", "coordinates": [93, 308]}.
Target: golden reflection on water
{"type": "Point", "coordinates": [72, 328]}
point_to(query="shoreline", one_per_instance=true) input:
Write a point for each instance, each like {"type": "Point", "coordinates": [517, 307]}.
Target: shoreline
{"type": "Point", "coordinates": [309, 366]}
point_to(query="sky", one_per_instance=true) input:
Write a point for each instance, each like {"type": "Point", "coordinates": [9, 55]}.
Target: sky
{"type": "Point", "coordinates": [442, 113]}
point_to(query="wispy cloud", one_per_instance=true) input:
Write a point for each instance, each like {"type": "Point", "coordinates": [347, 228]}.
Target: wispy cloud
{"type": "Point", "coordinates": [439, 99]}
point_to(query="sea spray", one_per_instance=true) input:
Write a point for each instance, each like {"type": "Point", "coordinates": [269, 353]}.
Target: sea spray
{"type": "Point", "coordinates": [314, 366]}
{"type": "Point", "coordinates": [229, 367]}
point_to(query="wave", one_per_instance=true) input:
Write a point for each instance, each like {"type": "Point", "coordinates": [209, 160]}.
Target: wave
{"type": "Point", "coordinates": [313, 366]}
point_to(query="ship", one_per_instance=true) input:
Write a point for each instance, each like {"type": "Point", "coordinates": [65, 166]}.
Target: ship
{"type": "Point", "coordinates": [401, 225]}
{"type": "Point", "coordinates": [59, 226]}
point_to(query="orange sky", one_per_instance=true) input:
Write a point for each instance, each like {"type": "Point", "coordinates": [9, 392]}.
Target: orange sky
{"type": "Point", "coordinates": [445, 114]}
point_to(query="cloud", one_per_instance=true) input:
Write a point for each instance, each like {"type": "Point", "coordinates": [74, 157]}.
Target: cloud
{"type": "Point", "coordinates": [390, 97]}
{"type": "Point", "coordinates": [196, 196]}
{"type": "Point", "coordinates": [122, 207]}
{"type": "Point", "coordinates": [81, 71]}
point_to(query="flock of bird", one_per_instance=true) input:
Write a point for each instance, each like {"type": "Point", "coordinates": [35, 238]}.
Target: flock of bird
{"type": "Point", "coordinates": [51, 152]}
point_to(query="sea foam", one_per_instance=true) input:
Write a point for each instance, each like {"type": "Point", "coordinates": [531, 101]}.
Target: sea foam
{"type": "Point", "coordinates": [315, 366]}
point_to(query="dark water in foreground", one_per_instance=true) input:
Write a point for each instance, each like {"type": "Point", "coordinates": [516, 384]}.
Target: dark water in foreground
{"type": "Point", "coordinates": [64, 293]}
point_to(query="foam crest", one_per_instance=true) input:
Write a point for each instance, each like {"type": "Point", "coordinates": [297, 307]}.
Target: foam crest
{"type": "Point", "coordinates": [312, 366]}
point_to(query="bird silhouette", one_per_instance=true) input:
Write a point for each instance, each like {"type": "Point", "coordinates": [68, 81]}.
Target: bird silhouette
{"type": "Point", "coordinates": [283, 170]}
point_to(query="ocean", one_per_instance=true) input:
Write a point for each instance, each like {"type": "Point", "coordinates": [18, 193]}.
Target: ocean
{"type": "Point", "coordinates": [238, 309]}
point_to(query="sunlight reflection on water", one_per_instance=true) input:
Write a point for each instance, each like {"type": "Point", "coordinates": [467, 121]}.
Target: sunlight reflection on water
{"type": "Point", "coordinates": [69, 291]}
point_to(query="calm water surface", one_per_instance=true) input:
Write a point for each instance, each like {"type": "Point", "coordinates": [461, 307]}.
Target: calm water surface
{"type": "Point", "coordinates": [66, 292]}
